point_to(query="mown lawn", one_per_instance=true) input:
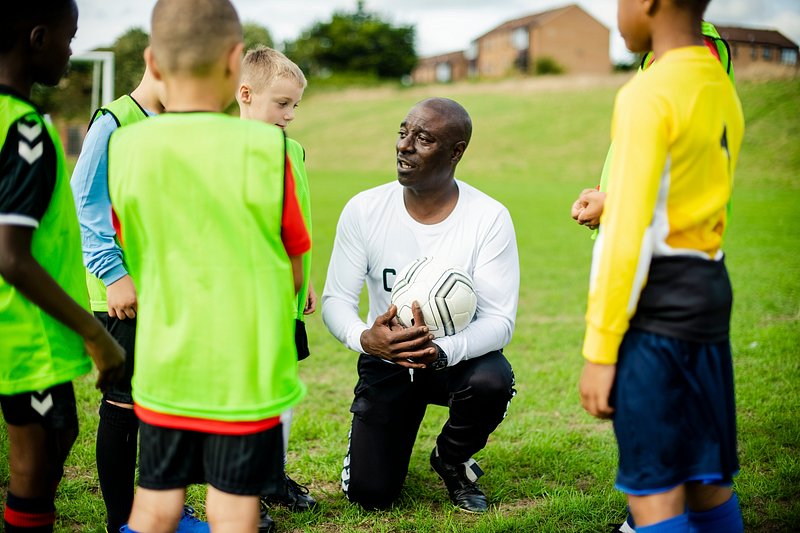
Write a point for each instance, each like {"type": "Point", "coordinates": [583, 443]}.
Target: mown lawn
{"type": "Point", "coordinates": [549, 466]}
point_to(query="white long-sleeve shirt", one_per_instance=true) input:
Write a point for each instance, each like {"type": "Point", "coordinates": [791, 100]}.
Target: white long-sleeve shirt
{"type": "Point", "coordinates": [376, 238]}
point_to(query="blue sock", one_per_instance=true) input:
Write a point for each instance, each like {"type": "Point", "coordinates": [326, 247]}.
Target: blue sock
{"type": "Point", "coordinates": [676, 524]}
{"type": "Point", "coordinates": [725, 518]}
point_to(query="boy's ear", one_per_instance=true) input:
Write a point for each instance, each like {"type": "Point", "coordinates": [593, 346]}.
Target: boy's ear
{"type": "Point", "coordinates": [650, 6]}
{"type": "Point", "coordinates": [150, 61]}
{"type": "Point", "coordinates": [234, 63]}
{"type": "Point", "coordinates": [244, 94]}
{"type": "Point", "coordinates": [38, 37]}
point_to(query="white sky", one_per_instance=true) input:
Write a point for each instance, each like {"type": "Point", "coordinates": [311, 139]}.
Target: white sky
{"type": "Point", "coordinates": [442, 25]}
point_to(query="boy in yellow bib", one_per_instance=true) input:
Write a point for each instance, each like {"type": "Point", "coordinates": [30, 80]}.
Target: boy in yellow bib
{"type": "Point", "coordinates": [657, 347]}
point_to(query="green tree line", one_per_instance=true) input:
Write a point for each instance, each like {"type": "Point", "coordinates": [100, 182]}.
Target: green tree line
{"type": "Point", "coordinates": [352, 44]}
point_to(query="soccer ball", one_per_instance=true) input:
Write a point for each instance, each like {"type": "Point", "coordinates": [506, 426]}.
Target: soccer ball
{"type": "Point", "coordinates": [444, 292]}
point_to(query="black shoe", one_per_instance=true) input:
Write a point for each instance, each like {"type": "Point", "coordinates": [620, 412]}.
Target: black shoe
{"type": "Point", "coordinates": [295, 498]}
{"type": "Point", "coordinates": [265, 522]}
{"type": "Point", "coordinates": [461, 483]}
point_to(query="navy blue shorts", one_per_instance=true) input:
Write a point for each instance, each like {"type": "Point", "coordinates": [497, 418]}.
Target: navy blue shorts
{"type": "Point", "coordinates": [675, 417]}
{"type": "Point", "coordinates": [249, 465]}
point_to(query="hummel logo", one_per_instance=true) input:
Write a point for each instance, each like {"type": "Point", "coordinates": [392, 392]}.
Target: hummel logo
{"type": "Point", "coordinates": [43, 405]}
{"type": "Point", "coordinates": [473, 470]}
{"type": "Point", "coordinates": [29, 151]}
{"type": "Point", "coordinates": [30, 154]}
{"type": "Point", "coordinates": [29, 132]}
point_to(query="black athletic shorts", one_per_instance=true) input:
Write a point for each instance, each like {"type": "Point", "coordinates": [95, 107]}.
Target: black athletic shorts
{"type": "Point", "coordinates": [53, 408]}
{"type": "Point", "coordinates": [124, 331]}
{"type": "Point", "coordinates": [301, 340]}
{"type": "Point", "coordinates": [248, 465]}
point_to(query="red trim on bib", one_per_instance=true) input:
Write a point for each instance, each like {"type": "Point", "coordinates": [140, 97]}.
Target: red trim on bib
{"type": "Point", "coordinates": [204, 425]}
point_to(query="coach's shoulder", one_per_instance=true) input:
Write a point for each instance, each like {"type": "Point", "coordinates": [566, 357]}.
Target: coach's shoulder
{"type": "Point", "coordinates": [473, 195]}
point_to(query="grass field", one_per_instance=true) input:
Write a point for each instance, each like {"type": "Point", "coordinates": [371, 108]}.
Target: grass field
{"type": "Point", "coordinates": [549, 466]}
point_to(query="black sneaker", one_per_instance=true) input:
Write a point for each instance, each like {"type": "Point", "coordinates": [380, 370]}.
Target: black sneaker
{"type": "Point", "coordinates": [265, 522]}
{"type": "Point", "coordinates": [461, 483]}
{"type": "Point", "coordinates": [295, 498]}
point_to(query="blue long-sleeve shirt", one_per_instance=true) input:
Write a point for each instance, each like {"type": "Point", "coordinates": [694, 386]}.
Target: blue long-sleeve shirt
{"type": "Point", "coordinates": [101, 253]}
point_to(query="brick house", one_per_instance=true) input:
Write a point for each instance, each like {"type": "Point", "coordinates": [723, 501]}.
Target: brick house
{"type": "Point", "coordinates": [577, 42]}
{"type": "Point", "coordinates": [761, 50]}
{"type": "Point", "coordinates": [573, 40]}
{"type": "Point", "coordinates": [443, 68]}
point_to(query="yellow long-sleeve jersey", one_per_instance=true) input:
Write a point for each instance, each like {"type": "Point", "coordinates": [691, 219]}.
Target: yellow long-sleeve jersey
{"type": "Point", "coordinates": [677, 130]}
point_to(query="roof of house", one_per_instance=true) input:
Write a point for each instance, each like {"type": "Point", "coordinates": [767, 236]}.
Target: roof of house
{"type": "Point", "coordinates": [450, 56]}
{"type": "Point", "coordinates": [530, 20]}
{"type": "Point", "coordinates": [734, 34]}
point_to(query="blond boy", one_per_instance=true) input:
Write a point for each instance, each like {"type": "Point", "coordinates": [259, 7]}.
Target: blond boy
{"type": "Point", "coordinates": [270, 90]}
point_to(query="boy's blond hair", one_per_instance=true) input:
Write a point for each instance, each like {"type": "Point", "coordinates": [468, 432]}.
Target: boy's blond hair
{"type": "Point", "coordinates": [263, 65]}
{"type": "Point", "coordinates": [189, 36]}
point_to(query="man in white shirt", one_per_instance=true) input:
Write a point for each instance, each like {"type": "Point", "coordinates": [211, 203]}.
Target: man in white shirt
{"type": "Point", "coordinates": [425, 213]}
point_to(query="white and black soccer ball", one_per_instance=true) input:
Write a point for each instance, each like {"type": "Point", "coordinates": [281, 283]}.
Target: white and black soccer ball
{"type": "Point", "coordinates": [445, 293]}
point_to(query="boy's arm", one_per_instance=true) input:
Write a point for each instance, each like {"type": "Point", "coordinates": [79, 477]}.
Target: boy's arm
{"type": "Point", "coordinates": [297, 271]}
{"type": "Point", "coordinates": [311, 301]}
{"type": "Point", "coordinates": [101, 253]}
{"type": "Point", "coordinates": [293, 229]}
{"type": "Point", "coordinates": [21, 270]}
{"type": "Point", "coordinates": [27, 181]}
{"type": "Point", "coordinates": [297, 156]}
{"type": "Point", "coordinates": [624, 247]}
{"type": "Point", "coordinates": [623, 250]}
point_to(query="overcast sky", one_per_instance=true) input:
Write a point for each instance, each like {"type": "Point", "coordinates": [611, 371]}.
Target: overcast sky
{"type": "Point", "coordinates": [442, 25]}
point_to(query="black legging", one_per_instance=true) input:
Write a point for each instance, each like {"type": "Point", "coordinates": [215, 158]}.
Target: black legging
{"type": "Point", "coordinates": [388, 409]}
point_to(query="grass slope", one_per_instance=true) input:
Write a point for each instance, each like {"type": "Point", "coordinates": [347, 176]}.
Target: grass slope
{"type": "Point", "coordinates": [549, 466]}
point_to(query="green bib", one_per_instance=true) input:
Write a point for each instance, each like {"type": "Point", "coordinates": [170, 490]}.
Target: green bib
{"type": "Point", "coordinates": [125, 111]}
{"type": "Point", "coordinates": [36, 350]}
{"type": "Point", "coordinates": [200, 220]}
{"type": "Point", "coordinates": [297, 157]}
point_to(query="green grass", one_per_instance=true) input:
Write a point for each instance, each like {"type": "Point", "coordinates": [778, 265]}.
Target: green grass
{"type": "Point", "coordinates": [549, 466]}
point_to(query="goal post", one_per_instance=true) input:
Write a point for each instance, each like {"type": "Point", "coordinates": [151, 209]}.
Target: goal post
{"type": "Point", "coordinates": [102, 76]}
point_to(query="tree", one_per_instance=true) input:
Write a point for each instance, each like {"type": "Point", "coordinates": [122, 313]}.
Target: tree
{"type": "Point", "coordinates": [129, 59]}
{"type": "Point", "coordinates": [358, 42]}
{"type": "Point", "coordinates": [72, 98]}
{"type": "Point", "coordinates": [254, 35]}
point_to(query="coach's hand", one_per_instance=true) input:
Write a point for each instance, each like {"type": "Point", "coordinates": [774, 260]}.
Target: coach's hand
{"type": "Point", "coordinates": [121, 297]}
{"type": "Point", "coordinates": [107, 354]}
{"type": "Point", "coordinates": [409, 347]}
{"type": "Point", "coordinates": [595, 388]}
